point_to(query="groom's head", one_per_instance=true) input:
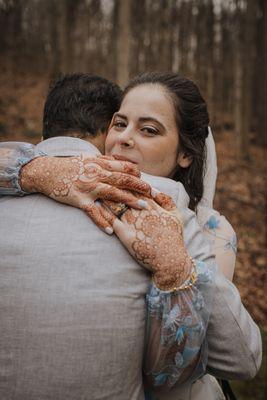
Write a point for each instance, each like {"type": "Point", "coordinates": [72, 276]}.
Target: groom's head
{"type": "Point", "coordinates": [81, 105]}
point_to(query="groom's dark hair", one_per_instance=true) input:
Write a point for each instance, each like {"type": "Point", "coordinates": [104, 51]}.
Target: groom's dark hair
{"type": "Point", "coordinates": [80, 103]}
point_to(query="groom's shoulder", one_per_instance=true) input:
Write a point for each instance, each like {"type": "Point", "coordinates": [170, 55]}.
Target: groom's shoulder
{"type": "Point", "coordinates": [66, 146]}
{"type": "Point", "coordinates": [170, 187]}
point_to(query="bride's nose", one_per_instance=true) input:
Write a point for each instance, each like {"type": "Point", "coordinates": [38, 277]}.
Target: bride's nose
{"type": "Point", "coordinates": [125, 139]}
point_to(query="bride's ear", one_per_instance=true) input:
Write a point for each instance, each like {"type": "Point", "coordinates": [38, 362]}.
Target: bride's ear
{"type": "Point", "coordinates": [184, 160]}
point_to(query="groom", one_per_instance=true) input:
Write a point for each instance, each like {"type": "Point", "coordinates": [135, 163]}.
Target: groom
{"type": "Point", "coordinates": [72, 298]}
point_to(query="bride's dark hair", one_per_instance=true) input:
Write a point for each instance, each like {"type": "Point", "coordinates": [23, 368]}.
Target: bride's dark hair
{"type": "Point", "coordinates": [192, 121]}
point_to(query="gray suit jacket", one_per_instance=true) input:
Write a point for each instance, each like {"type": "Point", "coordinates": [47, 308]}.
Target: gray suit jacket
{"type": "Point", "coordinates": [72, 310]}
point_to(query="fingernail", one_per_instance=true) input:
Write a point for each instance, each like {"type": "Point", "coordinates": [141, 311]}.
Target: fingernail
{"type": "Point", "coordinates": [109, 230]}
{"type": "Point", "coordinates": [142, 203]}
{"type": "Point", "coordinates": [154, 192]}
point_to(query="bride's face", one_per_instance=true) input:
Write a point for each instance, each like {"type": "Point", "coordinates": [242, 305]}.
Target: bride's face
{"type": "Point", "coordinates": [144, 131]}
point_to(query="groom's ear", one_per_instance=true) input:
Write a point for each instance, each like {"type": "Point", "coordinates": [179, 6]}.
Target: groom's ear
{"type": "Point", "coordinates": [184, 160]}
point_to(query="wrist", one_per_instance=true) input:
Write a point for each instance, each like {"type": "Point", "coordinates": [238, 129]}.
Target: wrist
{"type": "Point", "coordinates": [28, 177]}
{"type": "Point", "coordinates": [171, 279]}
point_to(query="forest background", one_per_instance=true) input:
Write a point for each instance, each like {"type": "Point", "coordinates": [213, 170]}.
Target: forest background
{"type": "Point", "coordinates": [220, 44]}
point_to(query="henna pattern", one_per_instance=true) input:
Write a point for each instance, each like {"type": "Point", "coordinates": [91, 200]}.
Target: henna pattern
{"type": "Point", "coordinates": [79, 181]}
{"type": "Point", "coordinates": [51, 175]}
{"type": "Point", "coordinates": [158, 245]}
{"type": "Point", "coordinates": [126, 167]}
{"type": "Point", "coordinates": [56, 176]}
{"type": "Point", "coordinates": [165, 201]}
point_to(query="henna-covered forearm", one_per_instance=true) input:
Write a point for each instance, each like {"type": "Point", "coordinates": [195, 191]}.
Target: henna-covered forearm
{"type": "Point", "coordinates": [79, 181]}
{"type": "Point", "coordinates": [159, 246]}
{"type": "Point", "coordinates": [154, 237]}
{"type": "Point", "coordinates": [51, 175]}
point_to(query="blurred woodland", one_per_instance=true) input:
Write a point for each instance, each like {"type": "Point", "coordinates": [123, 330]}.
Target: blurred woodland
{"type": "Point", "coordinates": [220, 44]}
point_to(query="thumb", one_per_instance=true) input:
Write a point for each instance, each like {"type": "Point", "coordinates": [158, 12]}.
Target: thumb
{"type": "Point", "coordinates": [118, 227]}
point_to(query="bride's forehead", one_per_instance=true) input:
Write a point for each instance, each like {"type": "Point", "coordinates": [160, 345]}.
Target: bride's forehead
{"type": "Point", "coordinates": [148, 98]}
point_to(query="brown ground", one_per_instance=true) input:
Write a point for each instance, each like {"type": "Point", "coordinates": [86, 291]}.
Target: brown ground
{"type": "Point", "coordinates": [240, 189]}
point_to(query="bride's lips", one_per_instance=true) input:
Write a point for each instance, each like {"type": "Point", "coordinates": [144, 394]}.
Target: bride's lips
{"type": "Point", "coordinates": [122, 158]}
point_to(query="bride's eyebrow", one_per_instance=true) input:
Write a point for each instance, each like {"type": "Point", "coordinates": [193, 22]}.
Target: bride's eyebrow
{"type": "Point", "coordinates": [119, 115]}
{"type": "Point", "coordinates": [149, 119]}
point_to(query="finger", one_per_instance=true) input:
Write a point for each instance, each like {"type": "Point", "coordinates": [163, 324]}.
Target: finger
{"type": "Point", "coordinates": [107, 214]}
{"type": "Point", "coordinates": [104, 157]}
{"type": "Point", "coordinates": [106, 192]}
{"type": "Point", "coordinates": [117, 225]}
{"type": "Point", "coordinates": [117, 165]}
{"type": "Point", "coordinates": [124, 181]}
{"type": "Point", "coordinates": [171, 208]}
{"type": "Point", "coordinates": [163, 200]}
{"type": "Point", "coordinates": [94, 212]}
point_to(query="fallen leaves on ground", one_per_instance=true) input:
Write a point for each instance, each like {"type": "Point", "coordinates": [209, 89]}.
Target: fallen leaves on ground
{"type": "Point", "coordinates": [241, 197]}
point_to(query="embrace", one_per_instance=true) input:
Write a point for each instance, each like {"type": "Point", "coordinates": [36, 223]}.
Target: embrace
{"type": "Point", "coordinates": [130, 298]}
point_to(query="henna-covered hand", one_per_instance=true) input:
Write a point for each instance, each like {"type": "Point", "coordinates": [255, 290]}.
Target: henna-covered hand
{"type": "Point", "coordinates": [154, 237]}
{"type": "Point", "coordinates": [79, 181]}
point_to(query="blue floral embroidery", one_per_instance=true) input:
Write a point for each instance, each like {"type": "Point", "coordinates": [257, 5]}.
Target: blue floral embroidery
{"type": "Point", "coordinates": [182, 360]}
{"type": "Point", "coordinates": [172, 316]}
{"type": "Point", "coordinates": [198, 301]}
{"type": "Point", "coordinates": [180, 335]}
{"type": "Point", "coordinates": [183, 315]}
{"type": "Point", "coordinates": [212, 223]}
{"type": "Point", "coordinates": [161, 379]}
{"type": "Point", "coordinates": [189, 354]}
{"type": "Point", "coordinates": [231, 244]}
{"type": "Point", "coordinates": [204, 275]}
{"type": "Point", "coordinates": [20, 154]}
{"type": "Point", "coordinates": [179, 361]}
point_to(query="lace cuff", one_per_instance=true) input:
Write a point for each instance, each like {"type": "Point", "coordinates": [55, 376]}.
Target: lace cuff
{"type": "Point", "coordinates": [176, 350]}
{"type": "Point", "coordinates": [13, 155]}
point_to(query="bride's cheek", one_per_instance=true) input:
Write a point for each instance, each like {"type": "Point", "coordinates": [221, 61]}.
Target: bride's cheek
{"type": "Point", "coordinates": [111, 140]}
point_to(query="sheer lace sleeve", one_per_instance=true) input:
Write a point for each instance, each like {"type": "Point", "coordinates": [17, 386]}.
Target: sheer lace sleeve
{"type": "Point", "coordinates": [13, 155]}
{"type": "Point", "coordinates": [175, 349]}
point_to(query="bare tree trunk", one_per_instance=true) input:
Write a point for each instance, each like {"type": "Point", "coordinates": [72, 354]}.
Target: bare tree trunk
{"type": "Point", "coordinates": [165, 34]}
{"type": "Point", "coordinates": [238, 88]}
{"type": "Point", "coordinates": [248, 65]}
{"type": "Point", "coordinates": [210, 59]}
{"type": "Point", "coordinates": [227, 66]}
{"type": "Point", "coordinates": [150, 40]}
{"type": "Point", "coordinates": [184, 38]}
{"type": "Point", "coordinates": [201, 46]}
{"type": "Point", "coordinates": [123, 42]}
{"type": "Point", "coordinates": [243, 75]}
{"type": "Point", "coordinates": [138, 23]}
{"type": "Point", "coordinates": [261, 75]}
{"type": "Point", "coordinates": [53, 37]}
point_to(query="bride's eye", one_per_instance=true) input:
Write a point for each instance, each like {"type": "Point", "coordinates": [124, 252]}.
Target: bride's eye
{"type": "Point", "coordinates": [150, 131]}
{"type": "Point", "coordinates": [119, 124]}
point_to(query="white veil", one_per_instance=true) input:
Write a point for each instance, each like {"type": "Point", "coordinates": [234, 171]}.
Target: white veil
{"type": "Point", "coordinates": [210, 177]}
